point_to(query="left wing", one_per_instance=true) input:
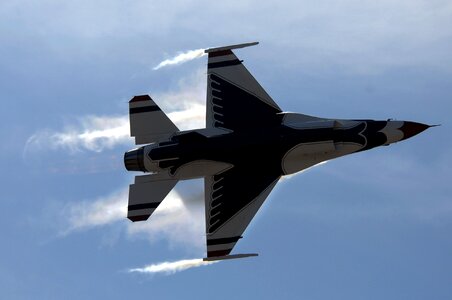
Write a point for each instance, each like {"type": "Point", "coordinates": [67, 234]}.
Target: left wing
{"type": "Point", "coordinates": [232, 198]}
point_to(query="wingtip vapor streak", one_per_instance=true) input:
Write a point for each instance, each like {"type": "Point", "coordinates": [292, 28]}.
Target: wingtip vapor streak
{"type": "Point", "coordinates": [248, 144]}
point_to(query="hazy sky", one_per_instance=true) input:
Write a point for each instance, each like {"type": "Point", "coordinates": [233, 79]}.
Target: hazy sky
{"type": "Point", "coordinates": [374, 225]}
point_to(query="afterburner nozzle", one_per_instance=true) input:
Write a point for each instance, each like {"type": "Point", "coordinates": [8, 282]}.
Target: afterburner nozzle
{"type": "Point", "coordinates": [134, 160]}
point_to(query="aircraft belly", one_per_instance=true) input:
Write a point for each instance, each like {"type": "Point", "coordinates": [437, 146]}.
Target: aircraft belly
{"type": "Point", "coordinates": [200, 168]}
{"type": "Point", "coordinates": [344, 148]}
{"type": "Point", "coordinates": [305, 155]}
{"type": "Point", "coordinates": [248, 144]}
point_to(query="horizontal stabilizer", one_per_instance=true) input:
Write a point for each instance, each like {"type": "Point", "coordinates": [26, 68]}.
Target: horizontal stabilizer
{"type": "Point", "coordinates": [146, 195]}
{"type": "Point", "coordinates": [148, 123]}
{"type": "Point", "coordinates": [233, 256]}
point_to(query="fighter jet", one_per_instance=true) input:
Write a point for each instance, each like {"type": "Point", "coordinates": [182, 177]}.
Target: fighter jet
{"type": "Point", "coordinates": [248, 144]}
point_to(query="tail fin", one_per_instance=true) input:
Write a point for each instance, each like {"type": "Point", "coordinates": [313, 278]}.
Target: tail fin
{"type": "Point", "coordinates": [146, 195]}
{"type": "Point", "coordinates": [148, 123]}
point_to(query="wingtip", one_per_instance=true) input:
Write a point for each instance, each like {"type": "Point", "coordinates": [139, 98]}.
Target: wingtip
{"type": "Point", "coordinates": [232, 256]}
{"type": "Point", "coordinates": [140, 98]}
{"type": "Point", "coordinates": [230, 47]}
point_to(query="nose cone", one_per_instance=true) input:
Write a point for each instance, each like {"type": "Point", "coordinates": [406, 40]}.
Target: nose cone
{"type": "Point", "coordinates": [410, 129]}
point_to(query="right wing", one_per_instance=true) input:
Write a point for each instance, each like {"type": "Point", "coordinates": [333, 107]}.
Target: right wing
{"type": "Point", "coordinates": [232, 198]}
{"type": "Point", "coordinates": [235, 100]}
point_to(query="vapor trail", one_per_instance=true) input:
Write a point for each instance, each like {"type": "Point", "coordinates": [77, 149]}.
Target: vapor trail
{"type": "Point", "coordinates": [181, 58]}
{"type": "Point", "coordinates": [169, 268]}
{"type": "Point", "coordinates": [185, 106]}
{"type": "Point", "coordinates": [98, 133]}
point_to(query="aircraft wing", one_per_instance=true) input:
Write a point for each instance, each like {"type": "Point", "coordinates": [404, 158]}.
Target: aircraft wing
{"type": "Point", "coordinates": [232, 198]}
{"type": "Point", "coordinates": [235, 100]}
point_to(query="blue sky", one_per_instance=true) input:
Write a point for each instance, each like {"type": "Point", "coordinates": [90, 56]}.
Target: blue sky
{"type": "Point", "coordinates": [368, 226]}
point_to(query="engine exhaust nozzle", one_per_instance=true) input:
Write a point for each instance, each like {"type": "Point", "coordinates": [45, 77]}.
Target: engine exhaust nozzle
{"type": "Point", "coordinates": [134, 160]}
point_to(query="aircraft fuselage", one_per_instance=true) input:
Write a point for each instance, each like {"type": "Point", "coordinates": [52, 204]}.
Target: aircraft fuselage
{"type": "Point", "coordinates": [286, 148]}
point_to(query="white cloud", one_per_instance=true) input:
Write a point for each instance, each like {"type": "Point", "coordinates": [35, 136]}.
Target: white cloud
{"type": "Point", "coordinates": [356, 35]}
{"type": "Point", "coordinates": [172, 267]}
{"type": "Point", "coordinates": [181, 58]}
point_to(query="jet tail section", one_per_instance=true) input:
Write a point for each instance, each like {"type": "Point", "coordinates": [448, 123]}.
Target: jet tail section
{"type": "Point", "coordinates": [148, 123]}
{"type": "Point", "coordinates": [146, 194]}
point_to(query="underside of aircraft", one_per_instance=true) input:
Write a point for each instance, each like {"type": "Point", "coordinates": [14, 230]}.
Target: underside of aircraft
{"type": "Point", "coordinates": [248, 144]}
